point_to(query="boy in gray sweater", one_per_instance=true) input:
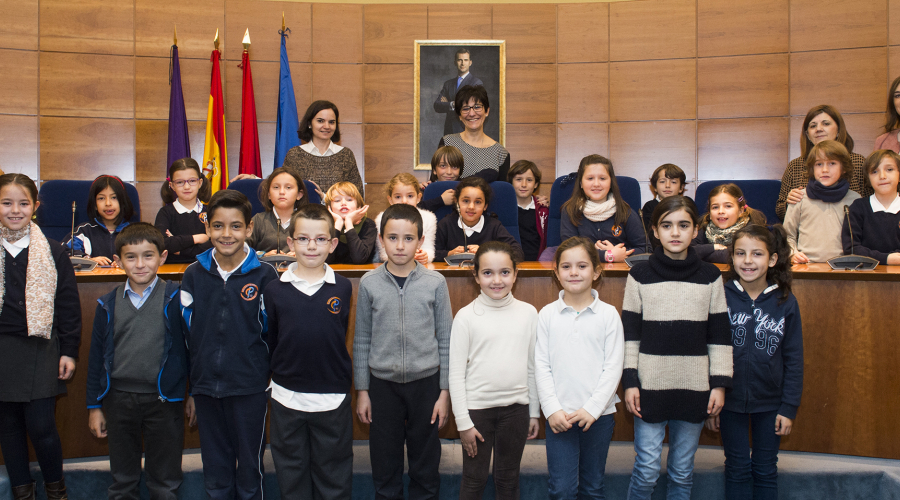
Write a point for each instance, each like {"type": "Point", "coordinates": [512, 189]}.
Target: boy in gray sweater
{"type": "Point", "coordinates": [401, 351]}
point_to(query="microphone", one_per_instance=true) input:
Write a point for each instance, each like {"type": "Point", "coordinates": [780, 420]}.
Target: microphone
{"type": "Point", "coordinates": [852, 262]}
{"type": "Point", "coordinates": [465, 256]}
{"type": "Point", "coordinates": [632, 259]}
{"type": "Point", "coordinates": [646, 235]}
{"type": "Point", "coordinates": [78, 263]}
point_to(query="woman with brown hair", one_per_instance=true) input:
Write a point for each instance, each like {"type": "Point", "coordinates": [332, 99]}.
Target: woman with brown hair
{"type": "Point", "coordinates": [890, 139]}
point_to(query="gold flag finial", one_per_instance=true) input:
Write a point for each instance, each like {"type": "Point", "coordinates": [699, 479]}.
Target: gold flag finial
{"type": "Point", "coordinates": [175, 36]}
{"type": "Point", "coordinates": [216, 40]}
{"type": "Point", "coordinates": [246, 40]}
{"type": "Point", "coordinates": [282, 21]}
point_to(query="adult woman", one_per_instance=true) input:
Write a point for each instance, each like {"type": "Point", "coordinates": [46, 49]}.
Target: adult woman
{"type": "Point", "coordinates": [822, 122]}
{"type": "Point", "coordinates": [484, 157]}
{"type": "Point", "coordinates": [890, 139]}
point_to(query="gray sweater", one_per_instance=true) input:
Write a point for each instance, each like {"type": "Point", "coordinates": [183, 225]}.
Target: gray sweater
{"type": "Point", "coordinates": [402, 335]}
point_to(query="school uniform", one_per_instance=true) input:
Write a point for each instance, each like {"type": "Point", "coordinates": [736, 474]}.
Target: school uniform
{"type": "Point", "coordinates": [269, 233]}
{"type": "Point", "coordinates": [452, 234]}
{"type": "Point", "coordinates": [533, 228]}
{"type": "Point", "coordinates": [94, 239]}
{"type": "Point", "coordinates": [632, 234]}
{"type": "Point", "coordinates": [183, 223]}
{"type": "Point", "coordinates": [876, 229]}
{"type": "Point", "coordinates": [355, 245]}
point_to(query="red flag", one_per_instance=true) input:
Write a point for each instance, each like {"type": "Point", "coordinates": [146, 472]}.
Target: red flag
{"type": "Point", "coordinates": [249, 157]}
{"type": "Point", "coordinates": [215, 158]}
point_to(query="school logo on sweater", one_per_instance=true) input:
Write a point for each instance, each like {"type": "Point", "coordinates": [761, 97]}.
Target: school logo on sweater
{"type": "Point", "coordinates": [202, 216]}
{"type": "Point", "coordinates": [249, 291]}
{"type": "Point", "coordinates": [334, 305]}
{"type": "Point", "coordinates": [616, 231]}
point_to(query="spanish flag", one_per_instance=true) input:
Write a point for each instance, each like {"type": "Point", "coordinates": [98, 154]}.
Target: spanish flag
{"type": "Point", "coordinates": [215, 159]}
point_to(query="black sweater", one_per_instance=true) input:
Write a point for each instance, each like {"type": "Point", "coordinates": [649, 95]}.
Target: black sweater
{"type": "Point", "coordinates": [183, 227]}
{"type": "Point", "coordinates": [450, 235]}
{"type": "Point", "coordinates": [875, 235]}
{"type": "Point", "coordinates": [359, 247]}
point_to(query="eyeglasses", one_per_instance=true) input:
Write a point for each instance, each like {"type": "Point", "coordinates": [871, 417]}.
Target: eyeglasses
{"type": "Point", "coordinates": [477, 108]}
{"type": "Point", "coordinates": [320, 241]}
{"type": "Point", "coordinates": [190, 182]}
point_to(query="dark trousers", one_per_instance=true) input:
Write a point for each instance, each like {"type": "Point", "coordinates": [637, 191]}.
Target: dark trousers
{"type": "Point", "coordinates": [402, 412]}
{"type": "Point", "coordinates": [313, 452]}
{"type": "Point", "coordinates": [749, 476]}
{"type": "Point", "coordinates": [232, 430]}
{"type": "Point", "coordinates": [35, 420]}
{"type": "Point", "coordinates": [133, 419]}
{"type": "Point", "coordinates": [505, 430]}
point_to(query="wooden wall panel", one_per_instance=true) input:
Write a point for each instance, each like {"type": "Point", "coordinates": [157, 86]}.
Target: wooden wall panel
{"type": "Point", "coordinates": [837, 25]}
{"type": "Point", "coordinates": [574, 141]}
{"type": "Point", "coordinates": [654, 29]}
{"type": "Point", "coordinates": [19, 144]}
{"type": "Point", "coordinates": [337, 34]}
{"type": "Point", "coordinates": [150, 200]}
{"type": "Point", "coordinates": [152, 90]}
{"type": "Point", "coordinates": [20, 24]}
{"type": "Point", "coordinates": [87, 85]}
{"type": "Point", "coordinates": [352, 137]}
{"type": "Point", "coordinates": [751, 148]}
{"type": "Point", "coordinates": [742, 86]}
{"type": "Point", "coordinates": [340, 84]}
{"type": "Point", "coordinates": [449, 22]}
{"type": "Point", "coordinates": [864, 128]}
{"type": "Point", "coordinates": [376, 199]}
{"type": "Point", "coordinates": [266, 147]}
{"type": "Point", "coordinates": [265, 90]}
{"type": "Point", "coordinates": [653, 90]}
{"type": "Point", "coordinates": [893, 65]}
{"type": "Point", "coordinates": [858, 87]}
{"type": "Point", "coordinates": [197, 21]}
{"type": "Point", "coordinates": [584, 33]}
{"type": "Point", "coordinates": [152, 144]}
{"type": "Point", "coordinates": [263, 19]}
{"type": "Point", "coordinates": [894, 22]}
{"type": "Point", "coordinates": [582, 92]}
{"type": "Point", "coordinates": [636, 149]}
{"type": "Point", "coordinates": [19, 79]}
{"type": "Point", "coordinates": [87, 26]}
{"type": "Point", "coordinates": [388, 94]}
{"type": "Point", "coordinates": [387, 151]}
{"type": "Point", "coordinates": [736, 27]}
{"type": "Point", "coordinates": [536, 143]}
{"type": "Point", "coordinates": [530, 93]}
{"type": "Point", "coordinates": [83, 148]}
{"type": "Point", "coordinates": [529, 31]}
{"type": "Point", "coordinates": [390, 31]}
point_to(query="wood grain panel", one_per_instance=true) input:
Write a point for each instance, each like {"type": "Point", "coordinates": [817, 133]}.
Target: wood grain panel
{"type": "Point", "coordinates": [266, 147]}
{"type": "Point", "coordinates": [529, 31]}
{"type": "Point", "coordinates": [151, 99]}
{"type": "Point", "coordinates": [87, 26]}
{"type": "Point", "coordinates": [150, 200]}
{"type": "Point", "coordinates": [893, 65]}
{"type": "Point", "coordinates": [894, 22]}
{"type": "Point", "coordinates": [388, 93]}
{"type": "Point", "coordinates": [87, 85]}
{"type": "Point", "coordinates": [743, 86]}
{"type": "Point", "coordinates": [263, 19]}
{"type": "Point", "coordinates": [197, 22]}
{"type": "Point", "coordinates": [83, 148]}
{"type": "Point", "coordinates": [585, 33]}
{"type": "Point", "coordinates": [858, 87]}
{"type": "Point", "coordinates": [449, 22]}
{"type": "Point", "coordinates": [741, 27]}
{"type": "Point", "coordinates": [745, 148]}
{"type": "Point", "coordinates": [582, 92]}
{"type": "Point", "coordinates": [530, 93]}
{"type": "Point", "coordinates": [337, 33]}
{"type": "Point", "coordinates": [636, 149]}
{"type": "Point", "coordinates": [837, 25]}
{"type": "Point", "coordinates": [20, 24]}
{"type": "Point", "coordinates": [352, 137]}
{"type": "Point", "coordinates": [574, 141]}
{"type": "Point", "coordinates": [653, 90]}
{"type": "Point", "coordinates": [19, 145]}
{"type": "Point", "coordinates": [655, 29]}
{"type": "Point", "coordinates": [390, 31]}
{"type": "Point", "coordinates": [19, 79]}
{"type": "Point", "coordinates": [388, 151]}
{"type": "Point", "coordinates": [342, 85]}
{"type": "Point", "coordinates": [265, 89]}
{"type": "Point", "coordinates": [536, 143]}
{"type": "Point", "coordinates": [376, 199]}
{"type": "Point", "coordinates": [152, 143]}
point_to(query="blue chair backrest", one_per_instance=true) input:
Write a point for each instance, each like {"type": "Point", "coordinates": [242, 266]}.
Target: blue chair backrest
{"type": "Point", "coordinates": [504, 204]}
{"type": "Point", "coordinates": [56, 197]}
{"type": "Point", "coordinates": [561, 191]}
{"type": "Point", "coordinates": [434, 190]}
{"type": "Point", "coordinates": [250, 188]}
{"type": "Point", "coordinates": [760, 194]}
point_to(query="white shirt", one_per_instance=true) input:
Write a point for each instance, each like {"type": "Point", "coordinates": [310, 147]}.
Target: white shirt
{"type": "Point", "coordinates": [15, 248]}
{"type": "Point", "coordinates": [878, 207]}
{"type": "Point", "coordinates": [578, 357]}
{"type": "Point", "coordinates": [471, 230]}
{"type": "Point", "coordinates": [181, 209]}
{"type": "Point", "coordinates": [138, 300]}
{"type": "Point", "coordinates": [227, 274]}
{"type": "Point", "coordinates": [311, 148]}
{"type": "Point", "coordinates": [303, 401]}
{"type": "Point", "coordinates": [529, 206]}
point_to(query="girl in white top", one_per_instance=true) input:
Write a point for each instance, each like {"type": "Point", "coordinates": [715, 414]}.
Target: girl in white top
{"type": "Point", "coordinates": [492, 387]}
{"type": "Point", "coordinates": [578, 362]}
{"type": "Point", "coordinates": [404, 188]}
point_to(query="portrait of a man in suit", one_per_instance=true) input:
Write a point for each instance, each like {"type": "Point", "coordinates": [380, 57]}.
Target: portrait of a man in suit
{"type": "Point", "coordinates": [444, 102]}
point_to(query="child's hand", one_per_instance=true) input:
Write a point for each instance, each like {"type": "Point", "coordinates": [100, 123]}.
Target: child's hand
{"type": "Point", "coordinates": [799, 258]}
{"type": "Point", "coordinates": [456, 250]}
{"type": "Point", "coordinates": [581, 417]}
{"type": "Point", "coordinates": [338, 220]}
{"type": "Point", "coordinates": [441, 409]}
{"type": "Point", "coordinates": [712, 423]}
{"type": "Point", "coordinates": [363, 407]}
{"type": "Point", "coordinates": [424, 185]}
{"type": "Point", "coordinates": [716, 401]}
{"type": "Point", "coordinates": [317, 189]}
{"type": "Point", "coordinates": [97, 422]}
{"type": "Point", "coordinates": [468, 437]}
{"type": "Point", "coordinates": [543, 201]}
{"type": "Point", "coordinates": [534, 424]}
{"type": "Point", "coordinates": [102, 261]}
{"type": "Point", "coordinates": [199, 239]}
{"type": "Point", "coordinates": [422, 256]}
{"type": "Point", "coordinates": [357, 215]}
{"type": "Point", "coordinates": [633, 401]}
{"type": "Point", "coordinates": [893, 259]}
{"type": "Point", "coordinates": [449, 196]}
{"type": "Point", "coordinates": [472, 248]}
{"type": "Point", "coordinates": [558, 422]}
{"type": "Point", "coordinates": [169, 233]}
{"type": "Point", "coordinates": [66, 367]}
{"type": "Point", "coordinates": [717, 246]}
{"type": "Point", "coordinates": [783, 425]}
{"type": "Point", "coordinates": [190, 411]}
{"type": "Point", "coordinates": [796, 195]}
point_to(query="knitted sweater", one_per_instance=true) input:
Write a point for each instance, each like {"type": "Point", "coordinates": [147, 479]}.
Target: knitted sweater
{"type": "Point", "coordinates": [429, 230]}
{"type": "Point", "coordinates": [677, 337]}
{"type": "Point", "coordinates": [875, 234]}
{"type": "Point", "coordinates": [268, 234]}
{"type": "Point", "coordinates": [324, 170]}
{"type": "Point", "coordinates": [183, 227]}
{"type": "Point", "coordinates": [814, 227]}
{"type": "Point", "coordinates": [796, 175]}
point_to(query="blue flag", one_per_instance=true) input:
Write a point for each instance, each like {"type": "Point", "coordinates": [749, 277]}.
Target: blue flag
{"type": "Point", "coordinates": [179, 142]}
{"type": "Point", "coordinates": [288, 123]}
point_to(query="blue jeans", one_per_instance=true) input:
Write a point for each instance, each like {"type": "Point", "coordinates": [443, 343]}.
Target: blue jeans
{"type": "Point", "coordinates": [576, 460]}
{"type": "Point", "coordinates": [684, 437]}
{"type": "Point", "coordinates": [749, 477]}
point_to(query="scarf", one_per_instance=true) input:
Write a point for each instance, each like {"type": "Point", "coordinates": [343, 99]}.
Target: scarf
{"type": "Point", "coordinates": [598, 212]}
{"type": "Point", "coordinates": [40, 279]}
{"type": "Point", "coordinates": [719, 236]}
{"type": "Point", "coordinates": [356, 227]}
{"type": "Point", "coordinates": [829, 194]}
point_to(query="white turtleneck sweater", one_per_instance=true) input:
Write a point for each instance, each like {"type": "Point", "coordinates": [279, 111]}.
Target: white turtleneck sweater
{"type": "Point", "coordinates": [492, 357]}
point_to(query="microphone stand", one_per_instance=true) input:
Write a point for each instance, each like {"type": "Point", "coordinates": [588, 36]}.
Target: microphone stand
{"type": "Point", "coordinates": [852, 262]}
{"type": "Point", "coordinates": [631, 260]}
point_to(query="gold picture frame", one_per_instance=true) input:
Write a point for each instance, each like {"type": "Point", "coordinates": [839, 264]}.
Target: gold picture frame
{"type": "Point", "coordinates": [433, 69]}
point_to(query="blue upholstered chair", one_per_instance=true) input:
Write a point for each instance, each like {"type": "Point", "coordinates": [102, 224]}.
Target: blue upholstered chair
{"type": "Point", "coordinates": [503, 203]}
{"type": "Point", "coordinates": [250, 188]}
{"type": "Point", "coordinates": [54, 216]}
{"type": "Point", "coordinates": [561, 191]}
{"type": "Point", "coordinates": [434, 190]}
{"type": "Point", "coordinates": [760, 194]}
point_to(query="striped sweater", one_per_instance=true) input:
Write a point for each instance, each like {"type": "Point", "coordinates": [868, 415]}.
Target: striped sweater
{"type": "Point", "coordinates": [677, 336]}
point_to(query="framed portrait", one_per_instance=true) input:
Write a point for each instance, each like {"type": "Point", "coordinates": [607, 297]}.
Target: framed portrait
{"type": "Point", "coordinates": [439, 64]}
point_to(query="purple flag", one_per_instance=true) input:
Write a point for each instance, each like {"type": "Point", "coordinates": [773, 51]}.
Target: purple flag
{"type": "Point", "coordinates": [179, 142]}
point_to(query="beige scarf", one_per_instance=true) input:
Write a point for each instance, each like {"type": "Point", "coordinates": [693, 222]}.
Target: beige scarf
{"type": "Point", "coordinates": [598, 212]}
{"type": "Point", "coordinates": [40, 279]}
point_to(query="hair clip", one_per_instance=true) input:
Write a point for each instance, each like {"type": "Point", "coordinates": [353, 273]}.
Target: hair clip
{"type": "Point", "coordinates": [168, 179]}
{"type": "Point", "coordinates": [741, 200]}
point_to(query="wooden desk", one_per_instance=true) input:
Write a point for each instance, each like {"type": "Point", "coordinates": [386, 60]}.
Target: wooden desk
{"type": "Point", "coordinates": [850, 323]}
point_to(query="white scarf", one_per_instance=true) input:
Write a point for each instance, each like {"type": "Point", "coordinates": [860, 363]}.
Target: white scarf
{"type": "Point", "coordinates": [40, 279]}
{"type": "Point", "coordinates": [598, 212]}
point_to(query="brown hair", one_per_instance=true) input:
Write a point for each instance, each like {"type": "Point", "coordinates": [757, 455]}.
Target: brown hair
{"type": "Point", "coordinates": [674, 204]}
{"type": "Point", "coordinates": [575, 242]}
{"type": "Point", "coordinates": [494, 246]}
{"type": "Point", "coordinates": [264, 186]}
{"type": "Point", "coordinates": [312, 211]}
{"type": "Point", "coordinates": [21, 180]}
{"type": "Point", "coordinates": [670, 171]}
{"type": "Point", "coordinates": [204, 191]}
{"type": "Point", "coordinates": [305, 131]}
{"type": "Point", "coordinates": [893, 118]}
{"type": "Point", "coordinates": [522, 166]}
{"type": "Point", "coordinates": [574, 207]}
{"type": "Point", "coordinates": [776, 243]}
{"type": "Point", "coordinates": [875, 159]}
{"type": "Point", "coordinates": [348, 188]}
{"type": "Point", "coordinates": [452, 155]}
{"type": "Point", "coordinates": [404, 178]}
{"type": "Point", "coordinates": [842, 135]}
{"type": "Point", "coordinates": [756, 217]}
{"type": "Point", "coordinates": [137, 233]}
{"type": "Point", "coordinates": [831, 150]}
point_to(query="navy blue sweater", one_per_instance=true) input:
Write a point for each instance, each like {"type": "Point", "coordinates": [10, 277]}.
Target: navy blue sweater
{"type": "Point", "coordinates": [632, 235]}
{"type": "Point", "coordinates": [183, 227]}
{"type": "Point", "coordinates": [450, 235]}
{"type": "Point", "coordinates": [308, 336]}
{"type": "Point", "coordinates": [707, 251]}
{"type": "Point", "coordinates": [875, 235]}
{"type": "Point", "coordinates": [767, 342]}
{"type": "Point", "coordinates": [227, 326]}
